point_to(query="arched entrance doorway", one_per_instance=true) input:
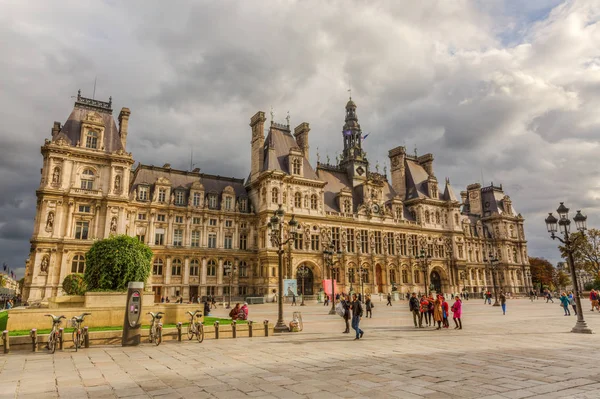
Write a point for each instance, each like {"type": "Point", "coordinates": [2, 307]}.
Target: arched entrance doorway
{"type": "Point", "coordinates": [379, 278]}
{"type": "Point", "coordinates": [307, 279]}
{"type": "Point", "coordinates": [436, 281]}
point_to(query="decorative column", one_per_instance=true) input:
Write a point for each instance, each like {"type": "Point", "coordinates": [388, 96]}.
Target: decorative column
{"type": "Point", "coordinates": [150, 231]}
{"type": "Point", "coordinates": [168, 271]}
{"type": "Point", "coordinates": [203, 273]}
{"type": "Point", "coordinates": [220, 272]}
{"type": "Point", "coordinates": [186, 278]}
{"type": "Point", "coordinates": [169, 232]}
{"type": "Point", "coordinates": [188, 232]}
{"type": "Point", "coordinates": [69, 227]}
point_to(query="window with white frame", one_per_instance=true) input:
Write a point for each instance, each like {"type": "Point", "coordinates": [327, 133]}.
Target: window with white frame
{"type": "Point", "coordinates": [296, 164]}
{"type": "Point", "coordinates": [212, 240]}
{"type": "Point", "coordinates": [228, 243]}
{"type": "Point", "coordinates": [179, 197]}
{"type": "Point", "coordinates": [212, 201]}
{"type": "Point", "coordinates": [243, 205]}
{"type": "Point", "coordinates": [298, 200]}
{"type": "Point", "coordinates": [178, 237]}
{"type": "Point", "coordinates": [91, 139]}
{"type": "Point", "coordinates": [87, 179]}
{"type": "Point", "coordinates": [157, 267]}
{"type": "Point", "coordinates": [162, 195]}
{"type": "Point", "coordinates": [194, 267]}
{"type": "Point", "coordinates": [211, 268]}
{"type": "Point", "coordinates": [195, 238]}
{"type": "Point", "coordinates": [196, 199]}
{"type": "Point", "coordinates": [313, 202]}
{"type": "Point", "coordinates": [176, 267]}
{"type": "Point", "coordinates": [228, 203]}
{"type": "Point", "coordinates": [143, 193]}
{"type": "Point", "coordinates": [81, 230]}
{"type": "Point", "coordinates": [78, 264]}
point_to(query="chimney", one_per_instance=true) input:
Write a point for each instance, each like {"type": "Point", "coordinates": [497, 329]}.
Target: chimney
{"type": "Point", "coordinates": [426, 161]}
{"type": "Point", "coordinates": [301, 135]}
{"type": "Point", "coordinates": [55, 129]}
{"type": "Point", "coordinates": [257, 123]}
{"type": "Point", "coordinates": [397, 156]}
{"type": "Point", "coordinates": [123, 124]}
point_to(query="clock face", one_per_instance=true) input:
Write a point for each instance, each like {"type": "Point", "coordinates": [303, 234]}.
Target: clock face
{"type": "Point", "coordinates": [375, 208]}
{"type": "Point", "coordinates": [474, 194]}
{"type": "Point", "coordinates": [360, 170]}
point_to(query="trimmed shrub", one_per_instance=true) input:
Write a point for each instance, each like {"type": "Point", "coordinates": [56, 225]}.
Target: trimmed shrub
{"type": "Point", "coordinates": [74, 284]}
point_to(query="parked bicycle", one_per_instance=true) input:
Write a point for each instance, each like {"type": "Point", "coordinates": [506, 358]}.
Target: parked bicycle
{"type": "Point", "coordinates": [79, 333]}
{"type": "Point", "coordinates": [54, 333]}
{"type": "Point", "coordinates": [195, 327]}
{"type": "Point", "coordinates": [156, 328]}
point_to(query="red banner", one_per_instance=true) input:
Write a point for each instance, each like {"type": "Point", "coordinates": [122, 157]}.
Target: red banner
{"type": "Point", "coordinates": [327, 286]}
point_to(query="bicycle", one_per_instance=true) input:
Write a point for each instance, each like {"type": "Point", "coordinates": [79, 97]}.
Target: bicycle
{"type": "Point", "coordinates": [195, 328]}
{"type": "Point", "coordinates": [156, 328]}
{"type": "Point", "coordinates": [78, 333]}
{"type": "Point", "coordinates": [53, 337]}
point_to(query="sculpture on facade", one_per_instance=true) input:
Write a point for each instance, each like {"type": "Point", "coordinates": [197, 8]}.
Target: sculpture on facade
{"type": "Point", "coordinates": [113, 225]}
{"type": "Point", "coordinates": [50, 221]}
{"type": "Point", "coordinates": [117, 183]}
{"type": "Point", "coordinates": [56, 176]}
{"type": "Point", "coordinates": [45, 264]}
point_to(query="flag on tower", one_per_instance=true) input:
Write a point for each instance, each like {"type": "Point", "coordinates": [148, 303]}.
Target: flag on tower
{"type": "Point", "coordinates": [365, 136]}
{"type": "Point", "coordinates": [347, 132]}
{"type": "Point", "coordinates": [4, 265]}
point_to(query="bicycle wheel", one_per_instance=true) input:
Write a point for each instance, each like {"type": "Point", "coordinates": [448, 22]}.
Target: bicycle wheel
{"type": "Point", "coordinates": [158, 338]}
{"type": "Point", "coordinates": [76, 339]}
{"type": "Point", "coordinates": [151, 335]}
{"type": "Point", "coordinates": [52, 343]}
{"type": "Point", "coordinates": [190, 331]}
{"type": "Point", "coordinates": [200, 332]}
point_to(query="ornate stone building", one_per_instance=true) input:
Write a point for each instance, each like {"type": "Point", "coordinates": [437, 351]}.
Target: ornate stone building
{"type": "Point", "coordinates": [200, 226]}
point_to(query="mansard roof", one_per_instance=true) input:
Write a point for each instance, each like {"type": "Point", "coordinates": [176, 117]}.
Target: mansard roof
{"type": "Point", "coordinates": [277, 147]}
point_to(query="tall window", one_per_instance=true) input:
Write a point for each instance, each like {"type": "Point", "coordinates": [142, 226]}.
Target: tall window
{"type": "Point", "coordinates": [162, 195]}
{"type": "Point", "coordinates": [228, 203]}
{"type": "Point", "coordinates": [195, 238]}
{"type": "Point", "coordinates": [415, 244]}
{"type": "Point", "coordinates": [179, 197]}
{"type": "Point", "coordinates": [78, 264]}
{"type": "Point", "coordinates": [212, 240]}
{"type": "Point", "coordinates": [403, 244]}
{"type": "Point", "coordinates": [194, 267]}
{"type": "Point", "coordinates": [347, 206]}
{"type": "Point", "coordinates": [159, 238]}
{"type": "Point", "coordinates": [335, 238]}
{"type": "Point", "coordinates": [228, 243]}
{"type": "Point", "coordinates": [81, 230]}
{"type": "Point", "coordinates": [196, 199]}
{"type": "Point", "coordinates": [243, 241]}
{"type": "Point", "coordinates": [391, 244]}
{"type": "Point", "coordinates": [87, 179]}
{"type": "Point", "coordinates": [314, 242]}
{"type": "Point", "coordinates": [178, 237]}
{"type": "Point", "coordinates": [176, 267]}
{"type": "Point", "coordinates": [211, 268]}
{"type": "Point", "coordinates": [392, 276]}
{"type": "Point", "coordinates": [243, 205]}
{"type": "Point", "coordinates": [157, 267]}
{"type": "Point", "coordinates": [91, 139]}
{"type": "Point", "coordinates": [274, 195]}
{"type": "Point", "coordinates": [417, 277]}
{"type": "Point", "coordinates": [377, 242]}
{"type": "Point", "coordinates": [299, 241]}
{"type": "Point", "coordinates": [296, 166]}
{"type": "Point", "coordinates": [313, 201]}
{"type": "Point", "coordinates": [350, 240]}
{"type": "Point", "coordinates": [404, 277]}
{"type": "Point", "coordinates": [243, 268]}
{"type": "Point", "coordinates": [298, 200]}
{"type": "Point", "coordinates": [212, 201]}
{"type": "Point", "coordinates": [143, 193]}
{"type": "Point", "coordinates": [364, 241]}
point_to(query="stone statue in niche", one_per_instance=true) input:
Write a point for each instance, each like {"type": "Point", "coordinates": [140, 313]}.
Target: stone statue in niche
{"type": "Point", "coordinates": [45, 264]}
{"type": "Point", "coordinates": [117, 184]}
{"type": "Point", "coordinates": [113, 225]}
{"type": "Point", "coordinates": [56, 176]}
{"type": "Point", "coordinates": [50, 221]}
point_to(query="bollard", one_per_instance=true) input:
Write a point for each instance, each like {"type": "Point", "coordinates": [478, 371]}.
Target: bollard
{"type": "Point", "coordinates": [33, 335]}
{"type": "Point", "coordinates": [5, 342]}
{"type": "Point", "coordinates": [266, 323]}
{"type": "Point", "coordinates": [217, 329]}
{"type": "Point", "coordinates": [60, 338]}
{"type": "Point", "coordinates": [250, 328]}
{"type": "Point", "coordinates": [179, 331]}
{"type": "Point", "coordinates": [234, 329]}
{"type": "Point", "coordinates": [86, 337]}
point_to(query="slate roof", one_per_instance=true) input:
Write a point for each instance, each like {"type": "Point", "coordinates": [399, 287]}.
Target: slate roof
{"type": "Point", "coordinates": [277, 149]}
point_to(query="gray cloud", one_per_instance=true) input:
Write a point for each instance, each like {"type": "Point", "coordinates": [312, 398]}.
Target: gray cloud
{"type": "Point", "coordinates": [500, 88]}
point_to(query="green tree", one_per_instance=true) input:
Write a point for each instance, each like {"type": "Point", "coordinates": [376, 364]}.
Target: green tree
{"type": "Point", "coordinates": [113, 262]}
{"type": "Point", "coordinates": [541, 271]}
{"type": "Point", "coordinates": [74, 284]}
{"type": "Point", "coordinates": [586, 250]}
{"type": "Point", "coordinates": [2, 280]}
{"type": "Point", "coordinates": [561, 280]}
{"type": "Point", "coordinates": [21, 284]}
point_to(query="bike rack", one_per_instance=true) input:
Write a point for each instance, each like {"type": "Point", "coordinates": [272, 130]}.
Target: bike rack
{"type": "Point", "coordinates": [234, 328]}
{"type": "Point", "coordinates": [250, 326]}
{"type": "Point", "coordinates": [5, 342]}
{"type": "Point", "coordinates": [60, 338]}
{"type": "Point", "coordinates": [86, 337]}
{"type": "Point", "coordinates": [33, 335]}
{"type": "Point", "coordinates": [266, 323]}
{"type": "Point", "coordinates": [179, 331]}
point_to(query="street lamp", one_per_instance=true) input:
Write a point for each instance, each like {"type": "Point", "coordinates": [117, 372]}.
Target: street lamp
{"type": "Point", "coordinates": [351, 277]}
{"type": "Point", "coordinates": [362, 273]}
{"type": "Point", "coordinates": [552, 225]}
{"type": "Point", "coordinates": [424, 265]}
{"type": "Point", "coordinates": [463, 277]}
{"type": "Point", "coordinates": [303, 272]}
{"type": "Point", "coordinates": [229, 271]}
{"type": "Point", "coordinates": [330, 261]}
{"type": "Point", "coordinates": [276, 225]}
{"type": "Point", "coordinates": [494, 263]}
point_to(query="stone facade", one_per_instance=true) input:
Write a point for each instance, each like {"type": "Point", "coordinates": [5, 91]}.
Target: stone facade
{"type": "Point", "coordinates": [199, 225]}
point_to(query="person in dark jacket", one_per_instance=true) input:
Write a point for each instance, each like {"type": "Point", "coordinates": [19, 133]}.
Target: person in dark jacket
{"type": "Point", "coordinates": [206, 308]}
{"type": "Point", "coordinates": [389, 300]}
{"type": "Point", "coordinates": [369, 306]}
{"type": "Point", "coordinates": [414, 305]}
{"type": "Point", "coordinates": [346, 304]}
{"type": "Point", "coordinates": [357, 312]}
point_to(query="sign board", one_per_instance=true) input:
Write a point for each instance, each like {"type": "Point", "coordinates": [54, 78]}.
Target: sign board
{"type": "Point", "coordinates": [290, 287]}
{"type": "Point", "coordinates": [327, 286]}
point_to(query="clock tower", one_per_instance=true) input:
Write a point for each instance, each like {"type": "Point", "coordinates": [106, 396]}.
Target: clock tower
{"type": "Point", "coordinates": [353, 158]}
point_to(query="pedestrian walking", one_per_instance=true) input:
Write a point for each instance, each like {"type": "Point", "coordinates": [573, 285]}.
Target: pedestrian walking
{"type": "Point", "coordinates": [564, 301]}
{"type": "Point", "coordinates": [369, 305]}
{"type": "Point", "coordinates": [389, 299]}
{"type": "Point", "coordinates": [437, 312]}
{"type": "Point", "coordinates": [572, 302]}
{"type": "Point", "coordinates": [445, 312]}
{"type": "Point", "coordinates": [213, 301]}
{"type": "Point", "coordinates": [424, 309]}
{"type": "Point", "coordinates": [594, 299]}
{"type": "Point", "coordinates": [549, 297]}
{"type": "Point", "coordinates": [431, 309]}
{"type": "Point", "coordinates": [503, 302]}
{"type": "Point", "coordinates": [357, 313]}
{"type": "Point", "coordinates": [294, 299]}
{"type": "Point", "coordinates": [457, 313]}
{"type": "Point", "coordinates": [414, 306]}
{"type": "Point", "coordinates": [346, 305]}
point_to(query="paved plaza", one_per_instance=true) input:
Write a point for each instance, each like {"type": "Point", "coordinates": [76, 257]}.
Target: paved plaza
{"type": "Point", "coordinates": [528, 353]}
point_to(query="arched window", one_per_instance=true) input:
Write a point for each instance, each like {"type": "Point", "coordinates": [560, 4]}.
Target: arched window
{"type": "Point", "coordinates": [427, 220]}
{"type": "Point", "coordinates": [404, 277]}
{"type": "Point", "coordinates": [243, 267]}
{"type": "Point", "coordinates": [275, 195]}
{"type": "Point", "coordinates": [296, 166]}
{"type": "Point", "coordinates": [194, 267]}
{"type": "Point", "coordinates": [313, 201]}
{"type": "Point", "coordinates": [176, 267]}
{"type": "Point", "coordinates": [78, 264]}
{"type": "Point", "coordinates": [87, 179]}
{"type": "Point", "coordinates": [392, 276]}
{"type": "Point", "coordinates": [437, 217]}
{"type": "Point", "coordinates": [211, 269]}
{"type": "Point", "coordinates": [157, 268]}
{"type": "Point", "coordinates": [417, 279]}
{"type": "Point", "coordinates": [298, 200]}
{"type": "Point", "coordinates": [91, 139]}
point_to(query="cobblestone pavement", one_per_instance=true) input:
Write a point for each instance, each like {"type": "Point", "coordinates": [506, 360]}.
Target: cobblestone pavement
{"type": "Point", "coordinates": [527, 353]}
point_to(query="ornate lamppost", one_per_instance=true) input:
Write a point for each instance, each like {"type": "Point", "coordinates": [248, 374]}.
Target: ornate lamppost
{"type": "Point", "coordinates": [276, 226]}
{"type": "Point", "coordinates": [494, 264]}
{"type": "Point", "coordinates": [564, 223]}
{"type": "Point", "coordinates": [424, 261]}
{"type": "Point", "coordinates": [463, 277]}
{"type": "Point", "coordinates": [351, 273]}
{"type": "Point", "coordinates": [303, 272]}
{"type": "Point", "coordinates": [330, 255]}
{"type": "Point", "coordinates": [229, 271]}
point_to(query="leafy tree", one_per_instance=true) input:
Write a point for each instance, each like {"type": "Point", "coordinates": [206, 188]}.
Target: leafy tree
{"type": "Point", "coordinates": [586, 250]}
{"type": "Point", "coordinates": [561, 280]}
{"type": "Point", "coordinates": [21, 284]}
{"type": "Point", "coordinates": [115, 261]}
{"type": "Point", "coordinates": [2, 280]}
{"type": "Point", "coordinates": [541, 271]}
{"type": "Point", "coordinates": [74, 284]}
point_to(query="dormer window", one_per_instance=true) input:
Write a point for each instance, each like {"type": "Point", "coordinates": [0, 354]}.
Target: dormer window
{"type": "Point", "coordinates": [296, 165]}
{"type": "Point", "coordinates": [179, 197]}
{"type": "Point", "coordinates": [91, 139]}
{"type": "Point", "coordinates": [347, 206]}
{"type": "Point", "coordinates": [196, 199]}
{"type": "Point", "coordinates": [228, 203]}
{"type": "Point", "coordinates": [274, 195]}
{"type": "Point", "coordinates": [212, 201]}
{"type": "Point", "coordinates": [143, 193]}
{"type": "Point", "coordinates": [313, 202]}
{"type": "Point", "coordinates": [87, 179]}
{"type": "Point", "coordinates": [243, 205]}
{"type": "Point", "coordinates": [162, 195]}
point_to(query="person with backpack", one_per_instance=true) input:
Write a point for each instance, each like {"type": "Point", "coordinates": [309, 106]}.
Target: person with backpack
{"type": "Point", "coordinates": [357, 313]}
{"type": "Point", "coordinates": [414, 306]}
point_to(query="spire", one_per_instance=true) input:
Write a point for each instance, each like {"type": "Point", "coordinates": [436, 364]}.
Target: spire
{"type": "Point", "coordinates": [352, 135]}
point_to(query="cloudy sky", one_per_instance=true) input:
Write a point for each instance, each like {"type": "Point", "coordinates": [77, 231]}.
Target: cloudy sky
{"type": "Point", "coordinates": [507, 90]}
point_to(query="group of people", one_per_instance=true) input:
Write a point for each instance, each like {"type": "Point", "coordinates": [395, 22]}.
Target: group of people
{"type": "Point", "coordinates": [352, 309]}
{"type": "Point", "coordinates": [239, 312]}
{"type": "Point", "coordinates": [432, 310]}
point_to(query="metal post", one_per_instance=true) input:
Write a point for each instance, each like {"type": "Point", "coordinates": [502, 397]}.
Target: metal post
{"type": "Point", "coordinates": [230, 283]}
{"type": "Point", "coordinates": [33, 335]}
{"type": "Point", "coordinates": [60, 338]}
{"type": "Point", "coordinates": [496, 303]}
{"type": "Point", "coordinates": [302, 303]}
{"type": "Point", "coordinates": [332, 311]}
{"type": "Point", "coordinates": [5, 341]}
{"type": "Point", "coordinates": [179, 331]}
{"type": "Point", "coordinates": [234, 329]}
{"type": "Point", "coordinates": [266, 323]}
{"type": "Point", "coordinates": [250, 326]}
{"type": "Point", "coordinates": [580, 325]}
{"type": "Point", "coordinates": [86, 337]}
{"type": "Point", "coordinates": [280, 326]}
{"type": "Point", "coordinates": [216, 329]}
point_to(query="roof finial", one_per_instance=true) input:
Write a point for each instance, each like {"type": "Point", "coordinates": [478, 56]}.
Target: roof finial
{"type": "Point", "coordinates": [272, 114]}
{"type": "Point", "coordinates": [416, 156]}
{"type": "Point", "coordinates": [287, 118]}
{"type": "Point", "coordinates": [318, 156]}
